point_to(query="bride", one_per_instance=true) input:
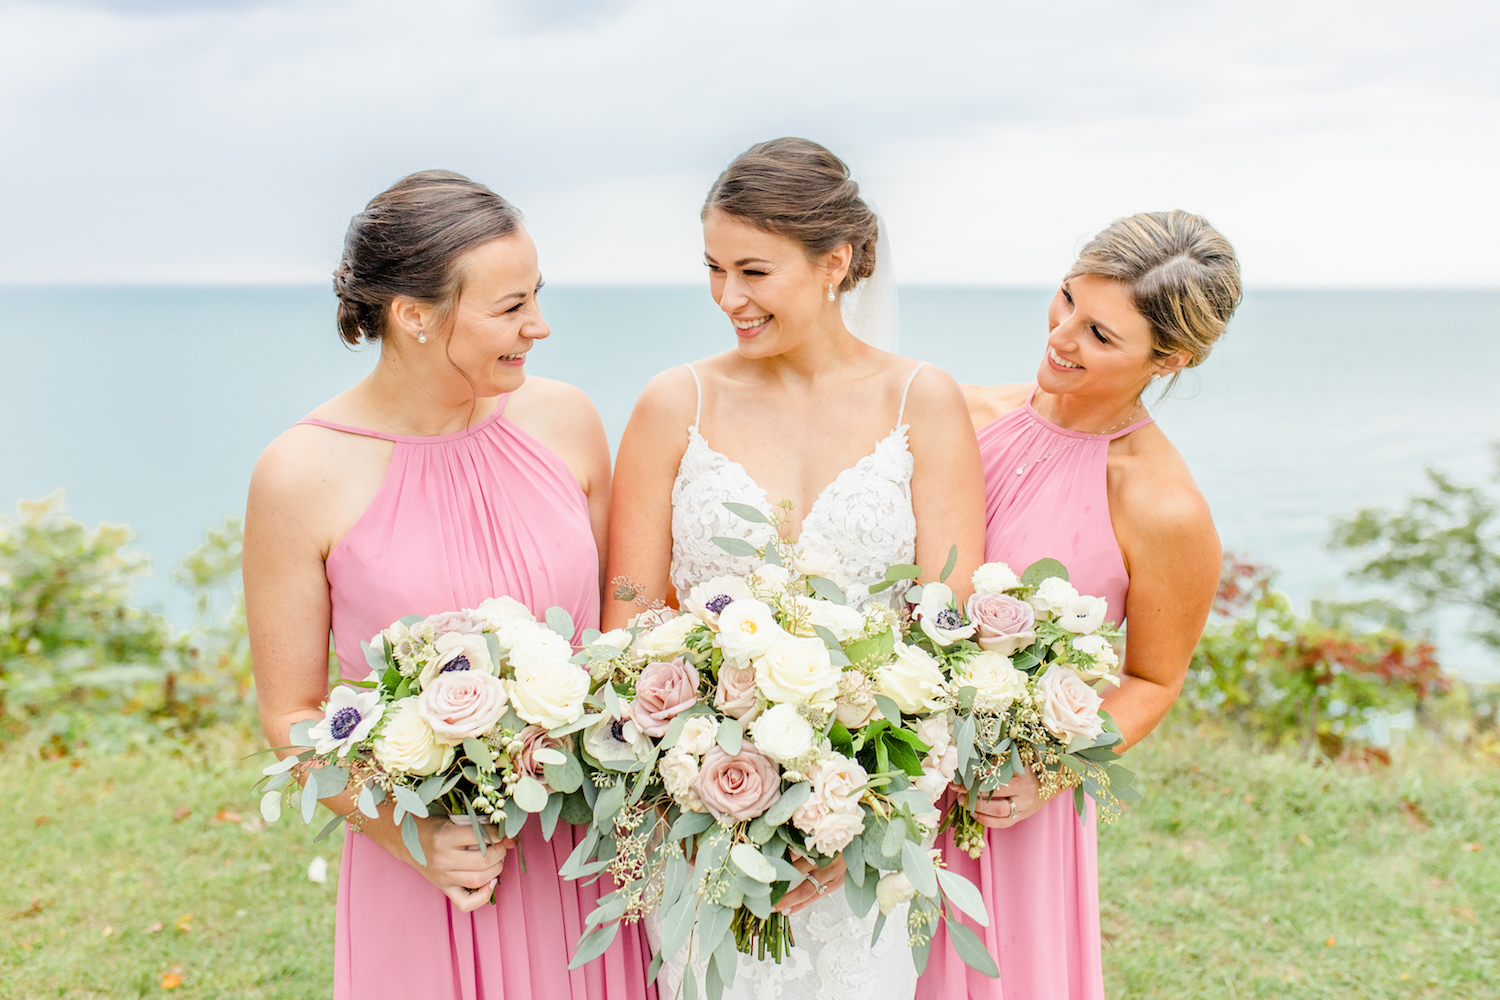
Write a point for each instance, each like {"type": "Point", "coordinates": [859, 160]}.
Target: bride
{"type": "Point", "coordinates": [866, 458]}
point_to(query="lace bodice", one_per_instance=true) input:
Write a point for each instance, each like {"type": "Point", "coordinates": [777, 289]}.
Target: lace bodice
{"type": "Point", "coordinates": [861, 523]}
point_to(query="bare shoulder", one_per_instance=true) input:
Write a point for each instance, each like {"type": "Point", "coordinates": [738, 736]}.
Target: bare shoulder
{"type": "Point", "coordinates": [931, 393]}
{"type": "Point", "coordinates": [670, 399]}
{"type": "Point", "coordinates": [559, 405]}
{"type": "Point", "coordinates": [987, 403]}
{"type": "Point", "coordinates": [312, 483]}
{"type": "Point", "coordinates": [1151, 485]}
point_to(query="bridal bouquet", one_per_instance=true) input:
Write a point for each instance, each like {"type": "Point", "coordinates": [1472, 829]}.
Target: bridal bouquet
{"type": "Point", "coordinates": [465, 713]}
{"type": "Point", "coordinates": [768, 720]}
{"type": "Point", "coordinates": [1022, 660]}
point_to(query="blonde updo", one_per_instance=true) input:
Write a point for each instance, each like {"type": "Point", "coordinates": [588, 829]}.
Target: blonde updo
{"type": "Point", "coordinates": [798, 189]}
{"type": "Point", "coordinates": [1181, 272]}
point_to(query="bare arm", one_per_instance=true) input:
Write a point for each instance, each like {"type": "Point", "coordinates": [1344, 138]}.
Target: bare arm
{"type": "Point", "coordinates": [947, 486]}
{"type": "Point", "coordinates": [640, 520]}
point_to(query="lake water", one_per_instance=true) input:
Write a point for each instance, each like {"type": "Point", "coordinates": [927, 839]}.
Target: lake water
{"type": "Point", "coordinates": [150, 405]}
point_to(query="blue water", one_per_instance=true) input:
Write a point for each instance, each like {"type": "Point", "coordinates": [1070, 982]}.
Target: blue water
{"type": "Point", "coordinates": [150, 405]}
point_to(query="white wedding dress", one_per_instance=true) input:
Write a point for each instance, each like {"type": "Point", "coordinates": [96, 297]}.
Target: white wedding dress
{"type": "Point", "coordinates": [864, 521]}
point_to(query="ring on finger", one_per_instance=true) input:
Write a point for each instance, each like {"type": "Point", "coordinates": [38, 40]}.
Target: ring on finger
{"type": "Point", "coordinates": [822, 887]}
{"type": "Point", "coordinates": [1010, 808]}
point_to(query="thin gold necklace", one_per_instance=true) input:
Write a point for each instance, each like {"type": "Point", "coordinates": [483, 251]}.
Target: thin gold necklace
{"type": "Point", "coordinates": [1021, 469]}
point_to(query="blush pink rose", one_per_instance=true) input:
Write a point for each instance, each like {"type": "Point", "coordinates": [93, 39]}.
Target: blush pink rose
{"type": "Point", "coordinates": [456, 621]}
{"type": "Point", "coordinates": [534, 738]}
{"type": "Point", "coordinates": [663, 691]}
{"type": "Point", "coordinates": [462, 703]}
{"type": "Point", "coordinates": [1069, 706]}
{"type": "Point", "coordinates": [740, 787]}
{"type": "Point", "coordinates": [1006, 624]}
{"type": "Point", "coordinates": [735, 695]}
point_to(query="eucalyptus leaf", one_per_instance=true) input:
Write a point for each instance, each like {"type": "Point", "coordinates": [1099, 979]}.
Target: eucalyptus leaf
{"type": "Point", "coordinates": [879, 926]}
{"type": "Point", "coordinates": [560, 622]}
{"type": "Point", "coordinates": [737, 547]}
{"type": "Point", "coordinates": [854, 859]}
{"type": "Point", "coordinates": [731, 736]}
{"type": "Point", "coordinates": [750, 861]}
{"type": "Point", "coordinates": [919, 869]}
{"type": "Point", "coordinates": [408, 801]}
{"type": "Point", "coordinates": [595, 943]}
{"type": "Point", "coordinates": [584, 848]}
{"type": "Point", "coordinates": [550, 814]}
{"type": "Point", "coordinates": [674, 732]}
{"type": "Point", "coordinates": [566, 776]}
{"type": "Point", "coordinates": [963, 894]}
{"type": "Point", "coordinates": [948, 566]}
{"type": "Point", "coordinates": [902, 571]}
{"type": "Point", "coordinates": [1041, 570]}
{"type": "Point", "coordinates": [298, 736]}
{"type": "Point", "coordinates": [480, 754]}
{"type": "Point", "coordinates": [582, 722]}
{"type": "Point", "coordinates": [674, 877]}
{"type": "Point", "coordinates": [747, 512]}
{"type": "Point", "coordinates": [270, 806]}
{"type": "Point", "coordinates": [963, 739]}
{"type": "Point", "coordinates": [368, 802]}
{"type": "Point", "coordinates": [309, 800]}
{"type": "Point", "coordinates": [888, 708]}
{"type": "Point", "coordinates": [726, 959]}
{"type": "Point", "coordinates": [791, 800]}
{"type": "Point", "coordinates": [412, 840]}
{"type": "Point", "coordinates": [713, 924]}
{"type": "Point", "coordinates": [689, 824]}
{"type": "Point", "coordinates": [328, 828]}
{"type": "Point", "coordinates": [972, 950]}
{"type": "Point", "coordinates": [610, 801]}
{"type": "Point", "coordinates": [677, 925]}
{"type": "Point", "coordinates": [827, 589]}
{"type": "Point", "coordinates": [376, 660]}
{"type": "Point", "coordinates": [515, 817]}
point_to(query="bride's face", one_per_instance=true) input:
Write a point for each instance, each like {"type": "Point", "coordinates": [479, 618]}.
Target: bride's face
{"type": "Point", "coordinates": [765, 283]}
{"type": "Point", "coordinates": [1099, 344]}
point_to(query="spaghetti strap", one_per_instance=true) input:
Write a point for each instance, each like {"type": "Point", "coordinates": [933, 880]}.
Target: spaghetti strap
{"type": "Point", "coordinates": [345, 428]}
{"type": "Point", "coordinates": [901, 413]}
{"type": "Point", "coordinates": [697, 413]}
{"type": "Point", "coordinates": [1148, 418]}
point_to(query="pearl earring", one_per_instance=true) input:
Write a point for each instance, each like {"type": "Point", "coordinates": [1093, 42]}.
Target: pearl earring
{"type": "Point", "coordinates": [421, 336]}
{"type": "Point", "coordinates": [830, 292]}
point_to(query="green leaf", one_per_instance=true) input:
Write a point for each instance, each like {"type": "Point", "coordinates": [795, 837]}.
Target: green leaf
{"type": "Point", "coordinates": [972, 950]}
{"type": "Point", "coordinates": [677, 925]}
{"type": "Point", "coordinates": [479, 754]}
{"type": "Point", "coordinates": [407, 801]}
{"type": "Point", "coordinates": [903, 756]}
{"type": "Point", "coordinates": [564, 777]}
{"type": "Point", "coordinates": [750, 861]}
{"type": "Point", "coordinates": [330, 780]}
{"type": "Point", "coordinates": [876, 588]}
{"type": "Point", "coordinates": [902, 571]}
{"type": "Point", "coordinates": [560, 622]}
{"type": "Point", "coordinates": [1080, 802]}
{"type": "Point", "coordinates": [963, 739]}
{"type": "Point", "coordinates": [854, 859]}
{"type": "Point", "coordinates": [895, 837]}
{"type": "Point", "coordinates": [689, 824]}
{"type": "Point", "coordinates": [410, 838]}
{"type": "Point", "coordinates": [747, 512]}
{"type": "Point", "coordinates": [530, 794]}
{"type": "Point", "coordinates": [1041, 570]}
{"type": "Point", "coordinates": [270, 806]}
{"type": "Point", "coordinates": [298, 736]}
{"type": "Point", "coordinates": [609, 803]}
{"type": "Point", "coordinates": [580, 854]}
{"type": "Point", "coordinates": [963, 894]}
{"type": "Point", "coordinates": [576, 809]}
{"type": "Point", "coordinates": [370, 797]}
{"type": "Point", "coordinates": [861, 894]}
{"type": "Point", "coordinates": [918, 867]}
{"type": "Point", "coordinates": [877, 648]}
{"type": "Point", "coordinates": [948, 566]}
{"type": "Point", "coordinates": [595, 943]}
{"type": "Point", "coordinates": [731, 736]}
{"type": "Point", "coordinates": [515, 817]}
{"type": "Point", "coordinates": [736, 547]}
{"type": "Point", "coordinates": [791, 800]}
{"type": "Point", "coordinates": [827, 589]}
{"type": "Point", "coordinates": [309, 800]}
{"type": "Point", "coordinates": [888, 708]}
{"type": "Point", "coordinates": [773, 558]}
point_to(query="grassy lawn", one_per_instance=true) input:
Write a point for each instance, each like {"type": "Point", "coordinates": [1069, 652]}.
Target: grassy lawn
{"type": "Point", "coordinates": [1241, 875]}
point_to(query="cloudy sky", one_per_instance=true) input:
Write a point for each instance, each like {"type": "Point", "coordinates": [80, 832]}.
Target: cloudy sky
{"type": "Point", "coordinates": [1337, 142]}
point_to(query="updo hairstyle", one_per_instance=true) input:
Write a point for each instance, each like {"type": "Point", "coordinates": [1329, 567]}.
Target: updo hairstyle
{"type": "Point", "coordinates": [407, 241]}
{"type": "Point", "coordinates": [1182, 274]}
{"type": "Point", "coordinates": [798, 189]}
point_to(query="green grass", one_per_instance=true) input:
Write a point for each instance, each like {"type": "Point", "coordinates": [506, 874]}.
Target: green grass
{"type": "Point", "coordinates": [1206, 893]}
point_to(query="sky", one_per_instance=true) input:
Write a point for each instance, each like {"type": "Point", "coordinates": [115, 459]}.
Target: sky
{"type": "Point", "coordinates": [1335, 143]}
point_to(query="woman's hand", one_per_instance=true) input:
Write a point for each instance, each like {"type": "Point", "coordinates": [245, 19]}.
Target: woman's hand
{"type": "Point", "coordinates": [454, 862]}
{"type": "Point", "coordinates": [1010, 803]}
{"type": "Point", "coordinates": [818, 882]}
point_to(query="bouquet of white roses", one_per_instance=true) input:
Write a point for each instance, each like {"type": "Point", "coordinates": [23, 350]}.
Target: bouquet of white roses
{"type": "Point", "coordinates": [465, 713]}
{"type": "Point", "coordinates": [768, 720]}
{"type": "Point", "coordinates": [1022, 659]}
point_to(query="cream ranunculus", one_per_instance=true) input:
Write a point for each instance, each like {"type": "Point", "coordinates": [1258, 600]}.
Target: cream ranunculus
{"type": "Point", "coordinates": [1052, 595]}
{"type": "Point", "coordinates": [458, 651]}
{"type": "Point", "coordinates": [407, 744]}
{"type": "Point", "coordinates": [619, 638]}
{"type": "Point", "coordinates": [496, 611]}
{"type": "Point", "coordinates": [892, 890]}
{"type": "Point", "coordinates": [747, 629]}
{"type": "Point", "coordinates": [997, 682]}
{"type": "Point", "coordinates": [783, 734]}
{"type": "Point", "coordinates": [698, 734]}
{"type": "Point", "coordinates": [995, 578]}
{"type": "Point", "coordinates": [798, 670]}
{"type": "Point", "coordinates": [1083, 614]}
{"type": "Point", "coordinates": [913, 680]}
{"type": "Point", "coordinates": [551, 696]}
{"type": "Point", "coordinates": [1106, 662]}
{"type": "Point", "coordinates": [679, 769]}
{"type": "Point", "coordinates": [540, 649]}
{"type": "Point", "coordinates": [709, 598]}
{"type": "Point", "coordinates": [940, 617]}
{"type": "Point", "coordinates": [843, 621]}
{"type": "Point", "coordinates": [1069, 706]}
{"type": "Point", "coordinates": [666, 641]}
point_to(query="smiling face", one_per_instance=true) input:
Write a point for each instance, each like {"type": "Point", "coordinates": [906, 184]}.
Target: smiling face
{"type": "Point", "coordinates": [773, 294]}
{"type": "Point", "coordinates": [496, 318]}
{"type": "Point", "coordinates": [1099, 345]}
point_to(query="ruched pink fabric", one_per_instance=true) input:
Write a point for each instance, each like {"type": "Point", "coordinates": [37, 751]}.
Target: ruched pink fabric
{"type": "Point", "coordinates": [458, 518]}
{"type": "Point", "coordinates": [1040, 878]}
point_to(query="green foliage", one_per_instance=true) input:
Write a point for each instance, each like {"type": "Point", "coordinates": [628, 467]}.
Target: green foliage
{"type": "Point", "coordinates": [1290, 678]}
{"type": "Point", "coordinates": [79, 664]}
{"type": "Point", "coordinates": [1443, 548]}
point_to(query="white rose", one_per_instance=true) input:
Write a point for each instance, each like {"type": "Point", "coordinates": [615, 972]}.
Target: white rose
{"type": "Point", "coordinates": [835, 830]}
{"type": "Point", "coordinates": [856, 700]}
{"type": "Point", "coordinates": [1106, 660]}
{"type": "Point", "coordinates": [798, 670]}
{"type": "Point", "coordinates": [913, 680]}
{"type": "Point", "coordinates": [551, 696]}
{"type": "Point", "coordinates": [1083, 614]}
{"type": "Point", "coordinates": [782, 734]}
{"type": "Point", "coordinates": [407, 744]}
{"type": "Point", "coordinates": [839, 782]}
{"type": "Point", "coordinates": [616, 739]}
{"type": "Point", "coordinates": [995, 578]}
{"type": "Point", "coordinates": [619, 638]}
{"type": "Point", "coordinates": [458, 651]}
{"type": "Point", "coordinates": [1069, 706]}
{"type": "Point", "coordinates": [511, 631]}
{"type": "Point", "coordinates": [996, 681]}
{"type": "Point", "coordinates": [937, 732]}
{"type": "Point", "coordinates": [540, 649]}
{"type": "Point", "coordinates": [747, 629]}
{"type": "Point", "coordinates": [665, 641]}
{"type": "Point", "coordinates": [843, 621]}
{"type": "Point", "coordinates": [933, 782]}
{"type": "Point", "coordinates": [679, 769]}
{"type": "Point", "coordinates": [892, 890]}
{"type": "Point", "coordinates": [496, 611]}
{"type": "Point", "coordinates": [940, 617]}
{"type": "Point", "coordinates": [711, 597]}
{"type": "Point", "coordinates": [770, 581]}
{"type": "Point", "coordinates": [698, 734]}
{"type": "Point", "coordinates": [809, 561]}
{"type": "Point", "coordinates": [1052, 595]}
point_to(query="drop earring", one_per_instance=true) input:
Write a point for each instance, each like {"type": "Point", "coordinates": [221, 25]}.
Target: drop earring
{"type": "Point", "coordinates": [830, 292]}
{"type": "Point", "coordinates": [421, 336]}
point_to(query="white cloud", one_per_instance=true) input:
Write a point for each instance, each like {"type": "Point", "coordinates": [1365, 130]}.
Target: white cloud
{"type": "Point", "coordinates": [1335, 142]}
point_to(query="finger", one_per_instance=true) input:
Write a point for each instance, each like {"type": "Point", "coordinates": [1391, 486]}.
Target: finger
{"type": "Point", "coordinates": [469, 901]}
{"type": "Point", "coordinates": [804, 865]}
{"type": "Point", "coordinates": [796, 898]}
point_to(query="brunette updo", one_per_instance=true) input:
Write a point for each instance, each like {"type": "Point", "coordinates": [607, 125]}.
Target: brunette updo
{"type": "Point", "coordinates": [1181, 272]}
{"type": "Point", "coordinates": [408, 241]}
{"type": "Point", "coordinates": [798, 189]}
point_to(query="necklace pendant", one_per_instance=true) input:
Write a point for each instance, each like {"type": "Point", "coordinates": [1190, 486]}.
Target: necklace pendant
{"type": "Point", "coordinates": [1021, 469]}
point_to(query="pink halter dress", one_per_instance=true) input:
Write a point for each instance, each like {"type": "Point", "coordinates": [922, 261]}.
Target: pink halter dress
{"type": "Point", "coordinates": [1045, 496]}
{"type": "Point", "coordinates": [461, 517]}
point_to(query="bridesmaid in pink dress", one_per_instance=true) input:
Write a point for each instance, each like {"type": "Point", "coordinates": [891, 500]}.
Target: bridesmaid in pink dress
{"type": "Point", "coordinates": [436, 482]}
{"type": "Point", "coordinates": [1076, 470]}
